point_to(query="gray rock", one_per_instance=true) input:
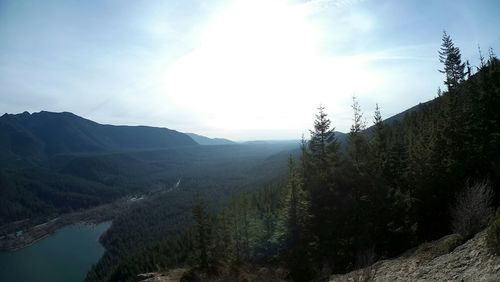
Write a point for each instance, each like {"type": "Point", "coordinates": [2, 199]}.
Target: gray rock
{"type": "Point", "coordinates": [441, 260]}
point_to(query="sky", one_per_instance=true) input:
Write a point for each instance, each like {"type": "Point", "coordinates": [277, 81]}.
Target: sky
{"type": "Point", "coordinates": [244, 70]}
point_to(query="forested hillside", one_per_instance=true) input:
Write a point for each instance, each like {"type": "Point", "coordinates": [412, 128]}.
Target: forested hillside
{"type": "Point", "coordinates": [394, 186]}
{"type": "Point", "coordinates": [55, 163]}
{"type": "Point", "coordinates": [230, 171]}
{"type": "Point", "coordinates": [40, 135]}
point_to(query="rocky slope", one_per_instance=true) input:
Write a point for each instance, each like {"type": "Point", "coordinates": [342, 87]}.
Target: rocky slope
{"type": "Point", "coordinates": [174, 275]}
{"type": "Point", "coordinates": [441, 260]}
{"type": "Point", "coordinates": [252, 274]}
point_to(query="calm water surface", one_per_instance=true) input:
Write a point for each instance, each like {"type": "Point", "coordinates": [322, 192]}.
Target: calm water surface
{"type": "Point", "coordinates": [65, 255]}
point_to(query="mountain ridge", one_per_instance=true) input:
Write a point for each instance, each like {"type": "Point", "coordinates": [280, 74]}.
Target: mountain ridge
{"type": "Point", "coordinates": [46, 134]}
{"type": "Point", "coordinates": [207, 141]}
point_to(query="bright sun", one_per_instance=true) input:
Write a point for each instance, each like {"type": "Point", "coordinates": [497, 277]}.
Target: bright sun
{"type": "Point", "coordinates": [256, 57]}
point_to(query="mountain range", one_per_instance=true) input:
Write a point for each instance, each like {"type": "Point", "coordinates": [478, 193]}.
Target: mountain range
{"type": "Point", "coordinates": [53, 163]}
{"type": "Point", "coordinates": [45, 134]}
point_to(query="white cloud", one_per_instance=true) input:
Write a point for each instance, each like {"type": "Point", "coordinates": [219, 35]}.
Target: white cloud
{"type": "Point", "coordinates": [229, 68]}
{"type": "Point", "coordinates": [259, 66]}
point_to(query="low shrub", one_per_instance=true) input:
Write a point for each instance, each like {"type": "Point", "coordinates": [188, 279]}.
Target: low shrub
{"type": "Point", "coordinates": [473, 209]}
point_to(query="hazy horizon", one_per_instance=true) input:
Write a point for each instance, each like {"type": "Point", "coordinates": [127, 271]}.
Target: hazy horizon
{"type": "Point", "coordinates": [242, 70]}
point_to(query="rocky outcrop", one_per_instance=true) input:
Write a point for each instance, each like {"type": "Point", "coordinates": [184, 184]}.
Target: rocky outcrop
{"type": "Point", "coordinates": [174, 275]}
{"type": "Point", "coordinates": [248, 274]}
{"type": "Point", "coordinates": [441, 260]}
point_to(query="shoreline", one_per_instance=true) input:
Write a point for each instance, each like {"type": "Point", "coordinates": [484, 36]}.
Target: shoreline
{"type": "Point", "coordinates": [27, 244]}
{"type": "Point", "coordinates": [32, 233]}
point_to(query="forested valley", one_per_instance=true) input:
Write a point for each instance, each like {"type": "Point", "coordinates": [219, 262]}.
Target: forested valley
{"type": "Point", "coordinates": [249, 141]}
{"type": "Point", "coordinates": [291, 210]}
{"type": "Point", "coordinates": [343, 204]}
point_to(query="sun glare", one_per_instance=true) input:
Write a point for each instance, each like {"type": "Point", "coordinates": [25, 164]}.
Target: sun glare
{"type": "Point", "coordinates": [255, 57]}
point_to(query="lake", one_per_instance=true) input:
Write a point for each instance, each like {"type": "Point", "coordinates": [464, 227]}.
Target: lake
{"type": "Point", "coordinates": [66, 256]}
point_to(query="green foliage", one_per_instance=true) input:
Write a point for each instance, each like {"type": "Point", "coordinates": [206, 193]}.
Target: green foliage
{"type": "Point", "coordinates": [203, 237]}
{"type": "Point", "coordinates": [54, 163]}
{"type": "Point", "coordinates": [42, 193]}
{"type": "Point", "coordinates": [450, 57]}
{"type": "Point", "coordinates": [323, 144]}
{"type": "Point", "coordinates": [249, 228]}
{"type": "Point", "coordinates": [393, 187]}
{"type": "Point", "coordinates": [358, 147]}
{"type": "Point", "coordinates": [379, 140]}
{"type": "Point", "coordinates": [493, 234]}
{"type": "Point", "coordinates": [216, 174]}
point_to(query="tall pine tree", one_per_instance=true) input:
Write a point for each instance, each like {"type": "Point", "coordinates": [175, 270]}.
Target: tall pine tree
{"type": "Point", "coordinates": [454, 69]}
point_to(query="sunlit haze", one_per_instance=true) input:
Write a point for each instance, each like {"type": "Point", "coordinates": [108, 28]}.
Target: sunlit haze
{"type": "Point", "coordinates": [235, 69]}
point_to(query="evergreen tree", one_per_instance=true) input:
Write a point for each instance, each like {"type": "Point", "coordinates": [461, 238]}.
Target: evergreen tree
{"type": "Point", "coordinates": [296, 239]}
{"type": "Point", "coordinates": [320, 161]}
{"type": "Point", "coordinates": [358, 148]}
{"type": "Point", "coordinates": [491, 54]}
{"type": "Point", "coordinates": [358, 122]}
{"type": "Point", "coordinates": [468, 68]}
{"type": "Point", "coordinates": [203, 235]}
{"type": "Point", "coordinates": [293, 212]}
{"type": "Point", "coordinates": [224, 243]}
{"type": "Point", "coordinates": [379, 140]}
{"type": "Point", "coordinates": [482, 62]}
{"type": "Point", "coordinates": [323, 144]}
{"type": "Point", "coordinates": [450, 56]}
{"type": "Point", "coordinates": [453, 114]}
{"type": "Point", "coordinates": [377, 119]}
